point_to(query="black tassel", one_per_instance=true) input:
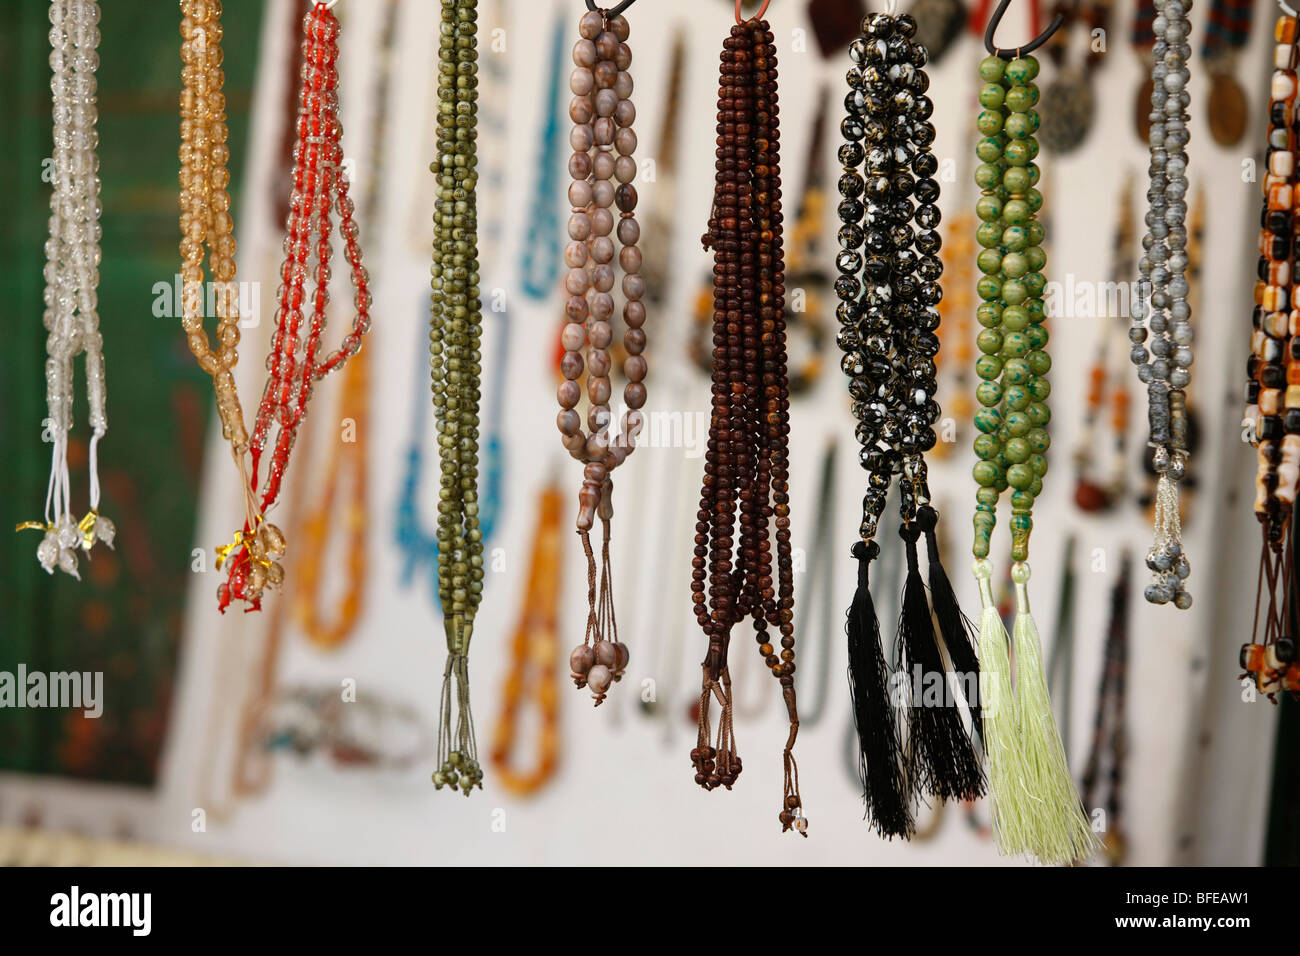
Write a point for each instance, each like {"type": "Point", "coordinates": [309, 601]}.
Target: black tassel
{"type": "Point", "coordinates": [885, 786]}
{"type": "Point", "coordinates": [940, 752]}
{"type": "Point", "coordinates": [957, 631]}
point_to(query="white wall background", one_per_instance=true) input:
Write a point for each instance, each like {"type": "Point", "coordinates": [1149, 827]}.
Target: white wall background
{"type": "Point", "coordinates": [1198, 767]}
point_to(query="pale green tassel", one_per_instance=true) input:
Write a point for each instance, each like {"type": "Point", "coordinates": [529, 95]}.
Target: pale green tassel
{"type": "Point", "coordinates": [1053, 827]}
{"type": "Point", "coordinates": [1001, 726]}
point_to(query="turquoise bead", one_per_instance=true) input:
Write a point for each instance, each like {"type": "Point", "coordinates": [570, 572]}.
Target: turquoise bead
{"type": "Point", "coordinates": [989, 314]}
{"type": "Point", "coordinates": [989, 341]}
{"type": "Point", "coordinates": [1013, 292]}
{"type": "Point", "coordinates": [988, 208]}
{"type": "Point", "coordinates": [1022, 70]}
{"type": "Point", "coordinates": [993, 96]}
{"type": "Point", "coordinates": [987, 420]}
{"type": "Point", "coordinates": [1015, 345]}
{"type": "Point", "coordinates": [988, 175]}
{"type": "Point", "coordinates": [990, 148]}
{"type": "Point", "coordinates": [1013, 238]}
{"type": "Point", "coordinates": [988, 367]}
{"type": "Point", "coordinates": [988, 394]}
{"type": "Point", "coordinates": [1015, 318]}
{"type": "Point", "coordinates": [1016, 212]}
{"type": "Point", "coordinates": [989, 261]}
{"type": "Point", "coordinates": [1014, 265]}
{"type": "Point", "coordinates": [1020, 476]}
{"type": "Point", "coordinates": [988, 287]}
{"type": "Point", "coordinates": [992, 69]}
{"type": "Point", "coordinates": [989, 122]}
{"type": "Point", "coordinates": [1021, 98]}
{"type": "Point", "coordinates": [986, 447]}
{"type": "Point", "coordinates": [989, 234]}
{"type": "Point", "coordinates": [1016, 372]}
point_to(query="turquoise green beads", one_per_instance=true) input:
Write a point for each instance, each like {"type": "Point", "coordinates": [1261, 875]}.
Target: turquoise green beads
{"type": "Point", "coordinates": [1013, 363]}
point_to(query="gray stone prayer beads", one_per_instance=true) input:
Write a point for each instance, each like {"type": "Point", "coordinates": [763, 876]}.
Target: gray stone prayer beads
{"type": "Point", "coordinates": [1161, 297]}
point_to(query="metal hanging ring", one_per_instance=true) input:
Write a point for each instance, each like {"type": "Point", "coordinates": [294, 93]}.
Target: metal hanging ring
{"type": "Point", "coordinates": [1016, 52]}
{"type": "Point", "coordinates": [612, 12]}
{"type": "Point", "coordinates": [761, 10]}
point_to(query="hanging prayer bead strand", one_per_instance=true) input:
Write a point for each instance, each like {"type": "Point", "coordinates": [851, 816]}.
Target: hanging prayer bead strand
{"type": "Point", "coordinates": [455, 331]}
{"type": "Point", "coordinates": [296, 364]}
{"type": "Point", "coordinates": [1273, 385]}
{"type": "Point", "coordinates": [71, 316]}
{"type": "Point", "coordinates": [889, 292]}
{"type": "Point", "coordinates": [1035, 804]}
{"type": "Point", "coordinates": [747, 461]}
{"type": "Point", "coordinates": [206, 222]}
{"type": "Point", "coordinates": [1160, 307]}
{"type": "Point", "coordinates": [604, 144]}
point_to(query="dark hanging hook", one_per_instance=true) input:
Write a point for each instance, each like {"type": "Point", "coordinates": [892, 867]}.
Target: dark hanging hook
{"type": "Point", "coordinates": [613, 11]}
{"type": "Point", "coordinates": [1018, 51]}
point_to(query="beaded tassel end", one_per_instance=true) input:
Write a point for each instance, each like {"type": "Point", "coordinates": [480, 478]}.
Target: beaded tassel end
{"type": "Point", "coordinates": [601, 659]}
{"type": "Point", "coordinates": [955, 628]}
{"type": "Point", "coordinates": [886, 790]}
{"type": "Point", "coordinates": [1005, 761]}
{"type": "Point", "coordinates": [1054, 827]}
{"type": "Point", "coordinates": [944, 763]}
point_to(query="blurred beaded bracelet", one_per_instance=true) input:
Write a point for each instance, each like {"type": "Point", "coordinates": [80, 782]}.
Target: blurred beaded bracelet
{"type": "Point", "coordinates": [1036, 807]}
{"type": "Point", "coordinates": [456, 366]}
{"type": "Point", "coordinates": [1273, 385]}
{"type": "Point", "coordinates": [1162, 292]}
{"type": "Point", "coordinates": [888, 317]}
{"type": "Point", "coordinates": [747, 466]}
{"type": "Point", "coordinates": [603, 146]}
{"type": "Point", "coordinates": [71, 282]}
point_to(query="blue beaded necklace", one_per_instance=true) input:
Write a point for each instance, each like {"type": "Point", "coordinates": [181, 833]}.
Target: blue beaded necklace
{"type": "Point", "coordinates": [539, 265]}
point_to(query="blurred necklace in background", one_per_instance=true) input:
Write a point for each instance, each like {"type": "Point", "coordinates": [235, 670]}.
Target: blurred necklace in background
{"type": "Point", "coordinates": [534, 665]}
{"type": "Point", "coordinates": [348, 450]}
{"type": "Point", "coordinates": [1110, 730]}
{"type": "Point", "coordinates": [1227, 31]}
{"type": "Point", "coordinates": [540, 261]}
{"type": "Point", "coordinates": [1090, 494]}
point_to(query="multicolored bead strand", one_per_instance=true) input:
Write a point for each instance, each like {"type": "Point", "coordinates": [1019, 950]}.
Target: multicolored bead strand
{"type": "Point", "coordinates": [747, 467]}
{"type": "Point", "coordinates": [456, 367]}
{"type": "Point", "coordinates": [604, 144]}
{"type": "Point", "coordinates": [1273, 381]}
{"type": "Point", "coordinates": [72, 257]}
{"type": "Point", "coordinates": [1161, 300]}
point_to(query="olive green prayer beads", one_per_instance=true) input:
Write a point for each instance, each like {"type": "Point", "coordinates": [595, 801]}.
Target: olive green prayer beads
{"type": "Point", "coordinates": [1013, 362]}
{"type": "Point", "coordinates": [455, 331]}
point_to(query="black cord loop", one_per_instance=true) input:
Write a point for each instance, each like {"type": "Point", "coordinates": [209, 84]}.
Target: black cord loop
{"type": "Point", "coordinates": [613, 11]}
{"type": "Point", "coordinates": [1018, 51]}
